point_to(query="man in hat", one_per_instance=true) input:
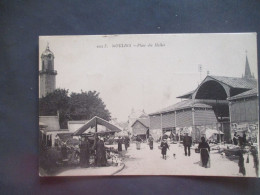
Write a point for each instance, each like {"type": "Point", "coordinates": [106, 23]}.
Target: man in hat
{"type": "Point", "coordinates": [187, 141]}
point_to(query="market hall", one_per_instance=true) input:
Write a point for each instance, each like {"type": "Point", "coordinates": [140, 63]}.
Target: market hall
{"type": "Point", "coordinates": [209, 106]}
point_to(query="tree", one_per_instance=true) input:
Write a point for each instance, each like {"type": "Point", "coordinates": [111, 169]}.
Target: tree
{"type": "Point", "coordinates": [77, 106]}
{"type": "Point", "coordinates": [56, 102]}
{"type": "Point", "coordinates": [85, 105]}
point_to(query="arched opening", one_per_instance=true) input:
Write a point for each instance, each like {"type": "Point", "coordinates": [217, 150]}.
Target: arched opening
{"type": "Point", "coordinates": [211, 90]}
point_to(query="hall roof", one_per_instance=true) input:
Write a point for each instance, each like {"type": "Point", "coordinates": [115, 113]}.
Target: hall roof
{"type": "Point", "coordinates": [144, 121]}
{"type": "Point", "coordinates": [186, 95]}
{"type": "Point", "coordinates": [233, 82]}
{"type": "Point", "coordinates": [181, 105]}
{"type": "Point", "coordinates": [249, 93]}
{"type": "Point", "coordinates": [236, 82]}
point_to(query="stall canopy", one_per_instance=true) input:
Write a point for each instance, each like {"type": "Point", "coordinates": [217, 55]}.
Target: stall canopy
{"type": "Point", "coordinates": [42, 125]}
{"type": "Point", "coordinates": [93, 124]}
{"type": "Point", "coordinates": [210, 133]}
{"type": "Point", "coordinates": [121, 134]}
{"type": "Point", "coordinates": [168, 133]}
{"type": "Point", "coordinates": [186, 130]}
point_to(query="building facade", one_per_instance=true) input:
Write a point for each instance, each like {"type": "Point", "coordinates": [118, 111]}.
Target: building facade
{"type": "Point", "coordinates": [134, 115]}
{"type": "Point", "coordinates": [141, 127]}
{"type": "Point", "coordinates": [184, 115]}
{"type": "Point", "coordinates": [208, 107]}
{"type": "Point", "coordinates": [47, 73]}
{"type": "Point", "coordinates": [244, 114]}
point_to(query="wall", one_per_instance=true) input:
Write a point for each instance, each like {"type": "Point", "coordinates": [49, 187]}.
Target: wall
{"type": "Point", "coordinates": [244, 110]}
{"type": "Point", "coordinates": [51, 121]}
{"type": "Point", "coordinates": [184, 118]}
{"type": "Point", "coordinates": [204, 117]}
{"type": "Point", "coordinates": [47, 84]}
{"type": "Point", "coordinates": [139, 129]}
{"type": "Point", "coordinates": [168, 120]}
{"type": "Point", "coordinates": [155, 122]}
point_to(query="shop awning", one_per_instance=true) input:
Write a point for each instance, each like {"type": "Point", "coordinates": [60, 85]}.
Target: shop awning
{"type": "Point", "coordinates": [211, 132]}
{"type": "Point", "coordinates": [93, 123]}
{"type": "Point", "coordinates": [42, 125]}
{"type": "Point", "coordinates": [168, 133]}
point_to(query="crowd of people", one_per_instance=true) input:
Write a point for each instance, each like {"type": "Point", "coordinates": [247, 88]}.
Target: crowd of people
{"type": "Point", "coordinates": [95, 150]}
{"type": "Point", "coordinates": [245, 149]}
{"type": "Point", "coordinates": [99, 150]}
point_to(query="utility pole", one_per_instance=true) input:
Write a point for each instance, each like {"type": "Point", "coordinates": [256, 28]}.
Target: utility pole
{"type": "Point", "coordinates": [200, 70]}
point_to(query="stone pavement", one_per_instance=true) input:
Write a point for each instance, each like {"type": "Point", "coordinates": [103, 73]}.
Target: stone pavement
{"type": "Point", "coordinates": [92, 171]}
{"type": "Point", "coordinates": [150, 162]}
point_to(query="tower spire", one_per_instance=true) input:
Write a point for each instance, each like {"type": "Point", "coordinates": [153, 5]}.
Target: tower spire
{"type": "Point", "coordinates": [247, 74]}
{"type": "Point", "coordinates": [48, 73]}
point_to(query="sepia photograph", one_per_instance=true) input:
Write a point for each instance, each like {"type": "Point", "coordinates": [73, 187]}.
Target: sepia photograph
{"type": "Point", "coordinates": [149, 104]}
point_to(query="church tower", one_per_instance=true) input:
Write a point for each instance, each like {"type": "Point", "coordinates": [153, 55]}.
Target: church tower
{"type": "Point", "coordinates": [47, 73]}
{"type": "Point", "coordinates": [248, 74]}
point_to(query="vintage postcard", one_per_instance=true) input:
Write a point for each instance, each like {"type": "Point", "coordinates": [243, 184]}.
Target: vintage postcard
{"type": "Point", "coordinates": [149, 104]}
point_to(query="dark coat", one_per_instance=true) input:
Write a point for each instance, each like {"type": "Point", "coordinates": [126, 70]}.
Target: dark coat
{"type": "Point", "coordinates": [244, 139]}
{"type": "Point", "coordinates": [204, 145]}
{"type": "Point", "coordinates": [84, 153]}
{"type": "Point", "coordinates": [164, 147]}
{"type": "Point", "coordinates": [150, 140]}
{"type": "Point", "coordinates": [235, 140]}
{"type": "Point", "coordinates": [64, 152]}
{"type": "Point", "coordinates": [241, 163]}
{"type": "Point", "coordinates": [138, 139]}
{"type": "Point", "coordinates": [126, 142]}
{"type": "Point", "coordinates": [204, 152]}
{"type": "Point", "coordinates": [100, 153]}
{"type": "Point", "coordinates": [119, 148]}
{"type": "Point", "coordinates": [187, 141]}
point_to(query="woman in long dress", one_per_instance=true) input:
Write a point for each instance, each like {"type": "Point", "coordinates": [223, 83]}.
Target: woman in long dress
{"type": "Point", "coordinates": [150, 140]}
{"type": "Point", "coordinates": [138, 143]}
{"type": "Point", "coordinates": [204, 152]}
{"type": "Point", "coordinates": [164, 146]}
{"type": "Point", "coordinates": [126, 142]}
{"type": "Point", "coordinates": [101, 159]}
{"type": "Point", "coordinates": [119, 146]}
{"type": "Point", "coordinates": [84, 153]}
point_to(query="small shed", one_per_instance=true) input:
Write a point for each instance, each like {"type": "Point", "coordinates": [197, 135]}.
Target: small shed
{"type": "Point", "coordinates": [141, 127]}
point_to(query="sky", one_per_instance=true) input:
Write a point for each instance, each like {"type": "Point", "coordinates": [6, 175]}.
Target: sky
{"type": "Point", "coordinates": [146, 72]}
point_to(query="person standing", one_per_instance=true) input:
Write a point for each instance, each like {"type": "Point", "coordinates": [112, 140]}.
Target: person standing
{"type": "Point", "coordinates": [138, 142]}
{"type": "Point", "coordinates": [204, 152]}
{"type": "Point", "coordinates": [150, 141]}
{"type": "Point", "coordinates": [244, 139]}
{"type": "Point", "coordinates": [101, 159]}
{"type": "Point", "coordinates": [240, 141]}
{"type": "Point", "coordinates": [84, 152]}
{"type": "Point", "coordinates": [235, 139]}
{"type": "Point", "coordinates": [187, 141]}
{"type": "Point", "coordinates": [119, 145]}
{"type": "Point", "coordinates": [256, 159]}
{"type": "Point", "coordinates": [241, 163]}
{"type": "Point", "coordinates": [164, 146]}
{"type": "Point", "coordinates": [64, 151]}
{"type": "Point", "coordinates": [126, 142]}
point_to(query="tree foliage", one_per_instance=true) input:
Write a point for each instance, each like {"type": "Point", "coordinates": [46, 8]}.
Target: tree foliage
{"type": "Point", "coordinates": [76, 106]}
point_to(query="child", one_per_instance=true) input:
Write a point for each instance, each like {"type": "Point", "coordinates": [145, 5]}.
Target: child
{"type": "Point", "coordinates": [164, 146]}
